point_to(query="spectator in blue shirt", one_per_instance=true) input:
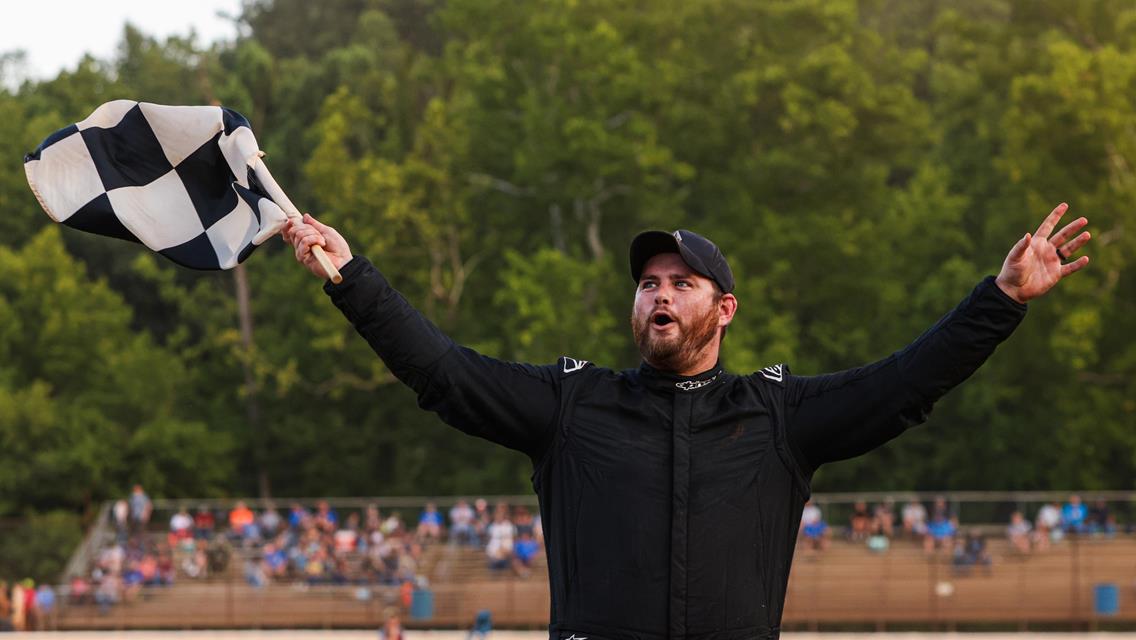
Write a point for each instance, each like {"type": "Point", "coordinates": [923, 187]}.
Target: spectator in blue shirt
{"type": "Point", "coordinates": [942, 528]}
{"type": "Point", "coordinates": [814, 530]}
{"type": "Point", "coordinates": [45, 600]}
{"type": "Point", "coordinates": [326, 518]}
{"type": "Point", "coordinates": [1101, 520]}
{"type": "Point", "coordinates": [1073, 515]}
{"type": "Point", "coordinates": [524, 550]}
{"type": "Point", "coordinates": [140, 509]}
{"type": "Point", "coordinates": [296, 515]}
{"type": "Point", "coordinates": [275, 560]}
{"type": "Point", "coordinates": [430, 523]}
{"type": "Point", "coordinates": [971, 551]}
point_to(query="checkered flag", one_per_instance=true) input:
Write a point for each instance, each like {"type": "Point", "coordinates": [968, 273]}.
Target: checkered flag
{"type": "Point", "coordinates": [188, 182]}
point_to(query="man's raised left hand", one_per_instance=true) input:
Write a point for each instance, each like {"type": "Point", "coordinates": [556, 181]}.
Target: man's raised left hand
{"type": "Point", "coordinates": [1038, 261]}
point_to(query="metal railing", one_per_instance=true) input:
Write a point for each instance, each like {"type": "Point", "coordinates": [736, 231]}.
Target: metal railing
{"type": "Point", "coordinates": [99, 536]}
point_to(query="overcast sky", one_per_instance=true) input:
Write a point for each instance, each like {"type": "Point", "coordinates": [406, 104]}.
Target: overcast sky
{"type": "Point", "coordinates": [56, 33]}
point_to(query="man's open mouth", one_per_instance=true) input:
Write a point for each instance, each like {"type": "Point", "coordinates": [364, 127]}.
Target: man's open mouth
{"type": "Point", "coordinates": [661, 319]}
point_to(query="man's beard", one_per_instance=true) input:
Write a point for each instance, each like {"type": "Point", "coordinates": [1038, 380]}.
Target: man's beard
{"type": "Point", "coordinates": [678, 352]}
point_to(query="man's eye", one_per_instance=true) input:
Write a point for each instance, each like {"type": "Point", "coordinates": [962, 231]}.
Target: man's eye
{"type": "Point", "coordinates": [647, 285]}
{"type": "Point", "coordinates": [682, 283]}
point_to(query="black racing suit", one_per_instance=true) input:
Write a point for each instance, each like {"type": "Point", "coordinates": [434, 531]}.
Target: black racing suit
{"type": "Point", "coordinates": [671, 504]}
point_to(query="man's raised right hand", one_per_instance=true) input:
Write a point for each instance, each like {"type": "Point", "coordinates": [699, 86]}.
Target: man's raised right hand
{"type": "Point", "coordinates": [308, 232]}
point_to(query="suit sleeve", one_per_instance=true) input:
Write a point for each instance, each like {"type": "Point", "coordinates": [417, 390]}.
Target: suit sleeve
{"type": "Point", "coordinates": [507, 403]}
{"type": "Point", "coordinates": [845, 414]}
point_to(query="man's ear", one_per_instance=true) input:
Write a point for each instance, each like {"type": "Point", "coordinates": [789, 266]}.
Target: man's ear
{"type": "Point", "coordinates": [727, 307]}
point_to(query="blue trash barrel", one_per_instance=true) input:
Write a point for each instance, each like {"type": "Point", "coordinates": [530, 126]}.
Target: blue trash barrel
{"type": "Point", "coordinates": [1106, 599]}
{"type": "Point", "coordinates": [421, 604]}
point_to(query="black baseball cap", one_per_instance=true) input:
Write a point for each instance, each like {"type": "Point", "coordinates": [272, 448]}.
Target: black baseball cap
{"type": "Point", "coordinates": [697, 252]}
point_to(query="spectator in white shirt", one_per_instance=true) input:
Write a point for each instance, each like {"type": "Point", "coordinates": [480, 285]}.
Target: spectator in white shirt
{"type": "Point", "coordinates": [462, 530]}
{"type": "Point", "coordinates": [1018, 532]}
{"type": "Point", "coordinates": [915, 519]}
{"type": "Point", "coordinates": [181, 522]}
{"type": "Point", "coordinates": [1047, 525]}
{"type": "Point", "coordinates": [814, 530]}
{"type": "Point", "coordinates": [501, 535]}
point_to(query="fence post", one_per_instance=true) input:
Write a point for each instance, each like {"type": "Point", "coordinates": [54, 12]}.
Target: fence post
{"type": "Point", "coordinates": [814, 619]}
{"type": "Point", "coordinates": [229, 600]}
{"type": "Point", "coordinates": [1075, 580]}
{"type": "Point", "coordinates": [883, 596]}
{"type": "Point", "coordinates": [1023, 622]}
{"type": "Point", "coordinates": [933, 591]}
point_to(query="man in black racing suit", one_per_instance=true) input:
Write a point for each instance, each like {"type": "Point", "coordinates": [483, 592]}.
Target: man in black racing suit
{"type": "Point", "coordinates": [671, 493]}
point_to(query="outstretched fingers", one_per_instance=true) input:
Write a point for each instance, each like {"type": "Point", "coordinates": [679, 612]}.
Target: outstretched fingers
{"type": "Point", "coordinates": [1069, 248]}
{"type": "Point", "coordinates": [1068, 231]}
{"type": "Point", "coordinates": [1051, 220]}
{"type": "Point", "coordinates": [1075, 266]}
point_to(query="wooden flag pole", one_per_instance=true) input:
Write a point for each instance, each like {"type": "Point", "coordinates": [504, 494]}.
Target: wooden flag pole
{"type": "Point", "coordinates": [278, 196]}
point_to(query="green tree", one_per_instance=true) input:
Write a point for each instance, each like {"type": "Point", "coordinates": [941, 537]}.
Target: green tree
{"type": "Point", "coordinates": [80, 403]}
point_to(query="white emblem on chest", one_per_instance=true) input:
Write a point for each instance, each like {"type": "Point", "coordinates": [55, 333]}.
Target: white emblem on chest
{"type": "Point", "coordinates": [691, 385]}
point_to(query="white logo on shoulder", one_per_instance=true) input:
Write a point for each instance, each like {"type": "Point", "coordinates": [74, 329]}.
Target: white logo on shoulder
{"type": "Point", "coordinates": [572, 365]}
{"type": "Point", "coordinates": [576, 637]}
{"type": "Point", "coordinates": [774, 373]}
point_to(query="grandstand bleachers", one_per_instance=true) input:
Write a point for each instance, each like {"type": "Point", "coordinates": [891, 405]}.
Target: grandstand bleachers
{"type": "Point", "coordinates": [847, 583]}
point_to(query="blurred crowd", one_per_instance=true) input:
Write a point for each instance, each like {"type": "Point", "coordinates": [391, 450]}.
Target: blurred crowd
{"type": "Point", "coordinates": [26, 607]}
{"type": "Point", "coordinates": [323, 546]}
{"type": "Point", "coordinates": [937, 529]}
{"type": "Point", "coordinates": [131, 561]}
{"type": "Point", "coordinates": [1055, 521]}
{"type": "Point", "coordinates": [302, 545]}
{"type": "Point", "coordinates": [312, 544]}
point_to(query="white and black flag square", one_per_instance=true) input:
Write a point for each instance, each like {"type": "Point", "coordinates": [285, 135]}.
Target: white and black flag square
{"type": "Point", "coordinates": [179, 180]}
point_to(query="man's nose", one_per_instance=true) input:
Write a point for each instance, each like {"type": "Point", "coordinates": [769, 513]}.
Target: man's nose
{"type": "Point", "coordinates": [662, 296]}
